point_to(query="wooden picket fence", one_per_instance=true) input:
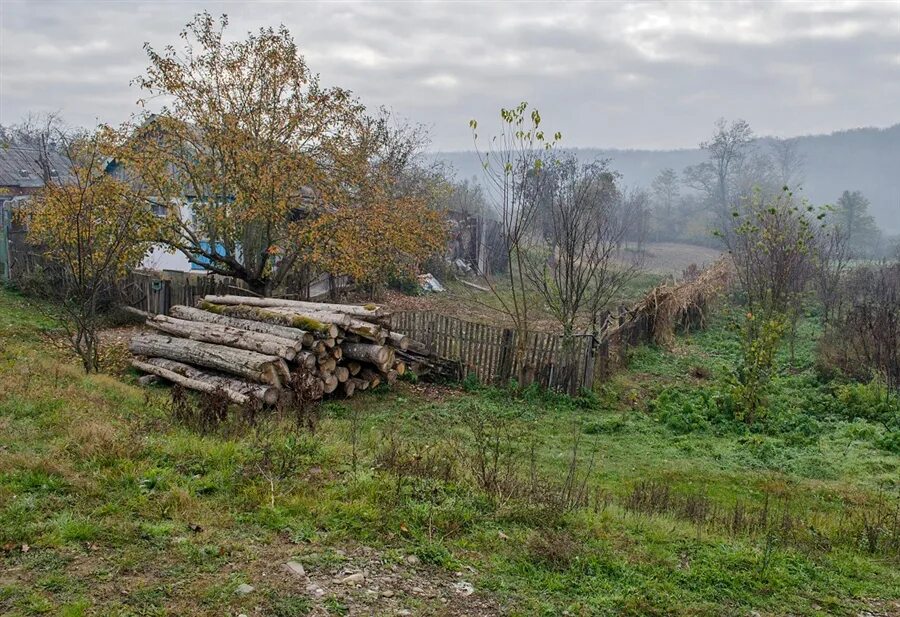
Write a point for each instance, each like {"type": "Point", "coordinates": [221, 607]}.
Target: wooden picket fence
{"type": "Point", "coordinates": [488, 353]}
{"type": "Point", "coordinates": [156, 293]}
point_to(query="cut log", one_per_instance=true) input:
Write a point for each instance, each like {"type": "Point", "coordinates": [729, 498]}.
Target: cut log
{"type": "Point", "coordinates": [290, 319]}
{"type": "Point", "coordinates": [228, 336]}
{"type": "Point", "coordinates": [362, 311]}
{"type": "Point", "coordinates": [337, 353]}
{"type": "Point", "coordinates": [306, 359]}
{"type": "Point", "coordinates": [371, 376]}
{"type": "Point", "coordinates": [400, 367]}
{"type": "Point", "coordinates": [348, 388]}
{"type": "Point", "coordinates": [364, 329]}
{"type": "Point", "coordinates": [400, 341]}
{"type": "Point", "coordinates": [342, 373]}
{"type": "Point", "coordinates": [194, 314]}
{"type": "Point", "coordinates": [148, 380]}
{"type": "Point", "coordinates": [361, 384]}
{"type": "Point", "coordinates": [187, 382]}
{"type": "Point", "coordinates": [376, 354]}
{"type": "Point", "coordinates": [327, 364]}
{"type": "Point", "coordinates": [391, 377]}
{"type": "Point", "coordinates": [249, 364]}
{"type": "Point", "coordinates": [267, 394]}
{"type": "Point", "coordinates": [416, 347]}
{"type": "Point", "coordinates": [354, 367]}
{"type": "Point", "coordinates": [330, 383]}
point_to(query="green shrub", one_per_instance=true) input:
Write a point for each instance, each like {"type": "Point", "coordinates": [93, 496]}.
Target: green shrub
{"type": "Point", "coordinates": [872, 401]}
{"type": "Point", "coordinates": [685, 411]}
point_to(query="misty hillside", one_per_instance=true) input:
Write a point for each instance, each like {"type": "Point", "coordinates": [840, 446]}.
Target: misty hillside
{"type": "Point", "coordinates": [867, 160]}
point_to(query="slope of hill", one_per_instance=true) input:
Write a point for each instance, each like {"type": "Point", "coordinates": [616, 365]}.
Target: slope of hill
{"type": "Point", "coordinates": [865, 159]}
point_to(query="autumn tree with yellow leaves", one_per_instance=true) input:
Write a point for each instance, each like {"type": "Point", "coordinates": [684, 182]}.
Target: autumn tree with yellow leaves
{"type": "Point", "coordinates": [260, 151]}
{"type": "Point", "coordinates": [91, 227]}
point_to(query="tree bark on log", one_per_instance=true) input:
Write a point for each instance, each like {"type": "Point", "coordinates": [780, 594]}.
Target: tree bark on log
{"type": "Point", "coordinates": [190, 313]}
{"type": "Point", "coordinates": [267, 394]}
{"type": "Point", "coordinates": [376, 354]}
{"type": "Point", "coordinates": [187, 382]}
{"type": "Point", "coordinates": [370, 331]}
{"type": "Point", "coordinates": [228, 336]}
{"type": "Point", "coordinates": [249, 364]}
{"type": "Point", "coordinates": [368, 311]}
{"type": "Point", "coordinates": [290, 319]}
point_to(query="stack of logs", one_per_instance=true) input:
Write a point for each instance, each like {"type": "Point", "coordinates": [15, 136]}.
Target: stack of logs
{"type": "Point", "coordinates": [249, 347]}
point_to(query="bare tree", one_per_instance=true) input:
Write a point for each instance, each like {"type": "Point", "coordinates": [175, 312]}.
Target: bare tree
{"type": "Point", "coordinates": [514, 168]}
{"type": "Point", "coordinates": [580, 263]}
{"type": "Point", "coordinates": [39, 132]}
{"type": "Point", "coordinates": [727, 150]}
{"type": "Point", "coordinates": [869, 343]}
{"type": "Point", "coordinates": [833, 251]}
{"type": "Point", "coordinates": [789, 162]}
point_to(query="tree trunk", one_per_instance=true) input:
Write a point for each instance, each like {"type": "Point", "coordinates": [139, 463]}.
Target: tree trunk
{"type": "Point", "coordinates": [194, 314]}
{"type": "Point", "coordinates": [293, 320]}
{"type": "Point", "coordinates": [249, 364]}
{"type": "Point", "coordinates": [160, 367]}
{"type": "Point", "coordinates": [370, 331]}
{"type": "Point", "coordinates": [228, 336]}
{"type": "Point", "coordinates": [368, 311]}
{"type": "Point", "coordinates": [190, 383]}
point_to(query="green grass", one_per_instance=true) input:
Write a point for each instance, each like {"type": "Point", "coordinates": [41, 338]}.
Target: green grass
{"type": "Point", "coordinates": [125, 512]}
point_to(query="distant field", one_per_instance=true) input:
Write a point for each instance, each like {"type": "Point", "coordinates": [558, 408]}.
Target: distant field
{"type": "Point", "coordinates": [662, 260]}
{"type": "Point", "coordinates": [672, 258]}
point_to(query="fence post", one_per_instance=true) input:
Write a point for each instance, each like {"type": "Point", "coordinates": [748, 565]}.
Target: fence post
{"type": "Point", "coordinates": [507, 354]}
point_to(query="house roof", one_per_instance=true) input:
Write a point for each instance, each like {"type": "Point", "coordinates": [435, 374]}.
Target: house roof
{"type": "Point", "coordinates": [20, 166]}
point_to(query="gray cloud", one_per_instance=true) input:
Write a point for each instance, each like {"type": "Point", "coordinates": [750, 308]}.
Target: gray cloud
{"type": "Point", "coordinates": [605, 74]}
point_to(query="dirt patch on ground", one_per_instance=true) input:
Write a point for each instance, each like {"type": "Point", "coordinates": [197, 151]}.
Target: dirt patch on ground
{"type": "Point", "coordinates": [365, 581]}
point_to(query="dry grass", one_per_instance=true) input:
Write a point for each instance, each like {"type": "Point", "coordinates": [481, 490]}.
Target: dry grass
{"type": "Point", "coordinates": [686, 303]}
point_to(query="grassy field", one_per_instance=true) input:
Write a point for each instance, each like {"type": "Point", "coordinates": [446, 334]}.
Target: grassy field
{"type": "Point", "coordinates": [643, 498]}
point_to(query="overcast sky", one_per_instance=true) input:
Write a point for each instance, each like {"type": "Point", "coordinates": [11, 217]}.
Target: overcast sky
{"type": "Point", "coordinates": [627, 75]}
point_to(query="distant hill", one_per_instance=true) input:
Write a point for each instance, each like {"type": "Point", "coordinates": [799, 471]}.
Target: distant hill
{"type": "Point", "coordinates": [866, 159]}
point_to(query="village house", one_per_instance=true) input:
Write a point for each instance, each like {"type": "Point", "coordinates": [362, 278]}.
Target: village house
{"type": "Point", "coordinates": [23, 171]}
